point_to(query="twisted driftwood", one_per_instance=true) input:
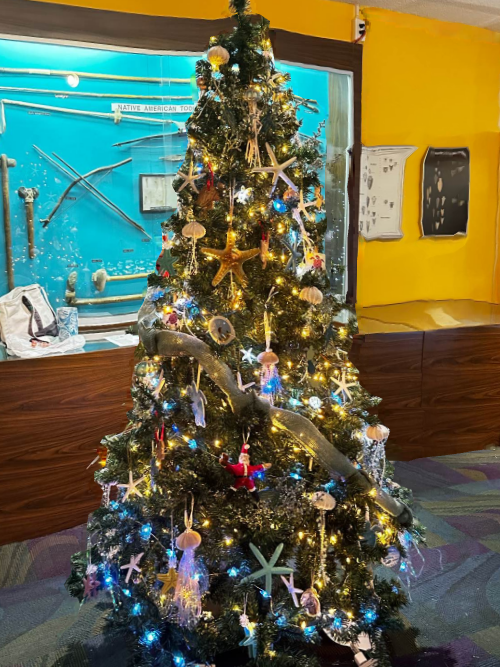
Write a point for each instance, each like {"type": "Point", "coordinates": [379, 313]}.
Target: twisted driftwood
{"type": "Point", "coordinates": [176, 344]}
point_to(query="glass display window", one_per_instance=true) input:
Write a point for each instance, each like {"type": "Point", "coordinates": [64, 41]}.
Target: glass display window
{"type": "Point", "coordinates": [92, 139]}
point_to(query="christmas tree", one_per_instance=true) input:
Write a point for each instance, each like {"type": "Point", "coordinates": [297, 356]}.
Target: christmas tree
{"type": "Point", "coordinates": [252, 497]}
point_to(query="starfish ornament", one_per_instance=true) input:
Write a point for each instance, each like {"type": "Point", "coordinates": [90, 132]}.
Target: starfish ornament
{"type": "Point", "coordinates": [91, 585]}
{"type": "Point", "coordinates": [243, 387]}
{"type": "Point", "coordinates": [248, 355]}
{"type": "Point", "coordinates": [165, 264]}
{"type": "Point", "coordinates": [276, 169]}
{"type": "Point", "coordinates": [131, 486]}
{"type": "Point", "coordinates": [291, 589]}
{"type": "Point", "coordinates": [268, 569]}
{"type": "Point", "coordinates": [250, 640]}
{"type": "Point", "coordinates": [295, 254]}
{"type": "Point", "coordinates": [189, 179]}
{"type": "Point", "coordinates": [303, 206]}
{"type": "Point", "coordinates": [169, 580]}
{"type": "Point", "coordinates": [134, 560]}
{"type": "Point", "coordinates": [343, 386]}
{"type": "Point", "coordinates": [231, 259]}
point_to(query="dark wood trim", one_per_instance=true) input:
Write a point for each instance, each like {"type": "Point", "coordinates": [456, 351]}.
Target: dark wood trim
{"type": "Point", "coordinates": [42, 20]}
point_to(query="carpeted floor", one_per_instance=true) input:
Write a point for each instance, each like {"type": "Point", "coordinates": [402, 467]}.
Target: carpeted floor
{"type": "Point", "coordinates": [455, 597]}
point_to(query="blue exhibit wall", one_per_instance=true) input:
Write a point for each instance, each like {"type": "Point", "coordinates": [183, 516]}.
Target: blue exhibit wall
{"type": "Point", "coordinates": [85, 235]}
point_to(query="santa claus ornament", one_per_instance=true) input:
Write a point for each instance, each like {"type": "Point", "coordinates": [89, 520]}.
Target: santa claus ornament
{"type": "Point", "coordinates": [243, 472]}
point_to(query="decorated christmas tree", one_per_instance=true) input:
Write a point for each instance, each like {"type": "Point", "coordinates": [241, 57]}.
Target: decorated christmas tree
{"type": "Point", "coordinates": [247, 502]}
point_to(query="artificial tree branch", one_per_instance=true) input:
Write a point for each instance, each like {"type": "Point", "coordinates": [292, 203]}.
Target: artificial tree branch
{"type": "Point", "coordinates": [176, 344]}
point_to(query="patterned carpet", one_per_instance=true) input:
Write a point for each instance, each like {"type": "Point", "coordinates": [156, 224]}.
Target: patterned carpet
{"type": "Point", "coordinates": [455, 598]}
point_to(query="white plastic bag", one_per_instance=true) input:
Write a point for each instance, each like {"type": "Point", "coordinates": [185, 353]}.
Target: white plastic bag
{"type": "Point", "coordinates": [28, 324]}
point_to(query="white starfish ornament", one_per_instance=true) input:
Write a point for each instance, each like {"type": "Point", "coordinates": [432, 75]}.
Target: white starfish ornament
{"type": "Point", "coordinates": [302, 206]}
{"type": "Point", "coordinates": [131, 486]}
{"type": "Point", "coordinates": [243, 387]}
{"type": "Point", "coordinates": [134, 560]}
{"type": "Point", "coordinates": [289, 583]}
{"type": "Point", "coordinates": [190, 178]}
{"type": "Point", "coordinates": [276, 169]}
{"type": "Point", "coordinates": [248, 355]}
{"type": "Point", "coordinates": [343, 386]}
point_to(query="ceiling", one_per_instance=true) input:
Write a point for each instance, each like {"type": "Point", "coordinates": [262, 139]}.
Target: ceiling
{"type": "Point", "coordinates": [483, 13]}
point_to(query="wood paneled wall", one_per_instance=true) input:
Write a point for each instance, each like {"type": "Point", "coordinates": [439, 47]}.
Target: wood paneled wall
{"type": "Point", "coordinates": [440, 389]}
{"type": "Point", "coordinates": [54, 412]}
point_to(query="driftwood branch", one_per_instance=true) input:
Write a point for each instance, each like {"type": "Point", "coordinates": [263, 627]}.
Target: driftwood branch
{"type": "Point", "coordinates": [176, 344]}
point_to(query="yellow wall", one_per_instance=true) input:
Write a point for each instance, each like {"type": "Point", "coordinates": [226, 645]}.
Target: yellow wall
{"type": "Point", "coordinates": [428, 83]}
{"type": "Point", "coordinates": [425, 83]}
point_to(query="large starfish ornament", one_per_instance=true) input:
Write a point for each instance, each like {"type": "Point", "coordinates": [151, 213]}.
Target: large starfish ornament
{"type": "Point", "coordinates": [131, 486]}
{"type": "Point", "coordinates": [169, 580]}
{"type": "Point", "coordinates": [268, 569]}
{"type": "Point", "coordinates": [91, 584]}
{"type": "Point", "coordinates": [276, 169]}
{"type": "Point", "coordinates": [343, 386]}
{"type": "Point", "coordinates": [302, 206]}
{"type": "Point", "coordinates": [133, 565]}
{"type": "Point", "coordinates": [231, 259]}
{"type": "Point", "coordinates": [291, 589]}
{"type": "Point", "coordinates": [243, 387]}
{"type": "Point", "coordinates": [190, 178]}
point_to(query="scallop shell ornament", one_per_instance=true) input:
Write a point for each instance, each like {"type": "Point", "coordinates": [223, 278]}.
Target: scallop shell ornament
{"type": "Point", "coordinates": [217, 56]}
{"type": "Point", "coordinates": [312, 295]}
{"type": "Point", "coordinates": [193, 230]}
{"type": "Point", "coordinates": [189, 539]}
{"type": "Point", "coordinates": [310, 601]}
{"type": "Point", "coordinates": [221, 330]}
{"type": "Point", "coordinates": [378, 433]}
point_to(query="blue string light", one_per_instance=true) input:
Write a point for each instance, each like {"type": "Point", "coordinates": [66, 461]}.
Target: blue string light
{"type": "Point", "coordinates": [280, 206]}
{"type": "Point", "coordinates": [295, 475]}
{"type": "Point", "coordinates": [265, 594]}
{"type": "Point", "coordinates": [167, 406]}
{"type": "Point", "coordinates": [114, 505]}
{"type": "Point", "coordinates": [281, 622]}
{"type": "Point", "coordinates": [310, 630]}
{"type": "Point", "coordinates": [403, 567]}
{"type": "Point", "coordinates": [126, 592]}
{"type": "Point", "coordinates": [233, 572]}
{"type": "Point", "coordinates": [294, 402]}
{"type": "Point", "coordinates": [370, 615]}
{"type": "Point", "coordinates": [337, 623]}
{"type": "Point", "coordinates": [179, 661]}
{"type": "Point", "coordinates": [193, 444]}
{"type": "Point", "coordinates": [146, 531]}
{"type": "Point", "coordinates": [136, 609]}
{"type": "Point", "coordinates": [150, 637]}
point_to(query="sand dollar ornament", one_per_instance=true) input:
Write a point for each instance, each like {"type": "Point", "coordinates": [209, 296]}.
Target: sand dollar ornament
{"type": "Point", "coordinates": [194, 231]}
{"type": "Point", "coordinates": [221, 330]}
{"type": "Point", "coordinates": [315, 402]}
{"type": "Point", "coordinates": [324, 502]}
{"type": "Point", "coordinates": [217, 56]}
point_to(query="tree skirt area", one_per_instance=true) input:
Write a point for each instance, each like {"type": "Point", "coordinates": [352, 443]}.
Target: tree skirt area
{"type": "Point", "coordinates": [455, 595]}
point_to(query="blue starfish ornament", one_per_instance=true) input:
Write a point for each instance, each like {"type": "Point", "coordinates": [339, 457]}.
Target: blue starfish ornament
{"type": "Point", "coordinates": [268, 569]}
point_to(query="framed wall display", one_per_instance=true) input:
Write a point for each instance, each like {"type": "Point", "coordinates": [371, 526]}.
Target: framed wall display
{"type": "Point", "coordinates": [156, 193]}
{"type": "Point", "coordinates": [381, 191]}
{"type": "Point", "coordinates": [445, 197]}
